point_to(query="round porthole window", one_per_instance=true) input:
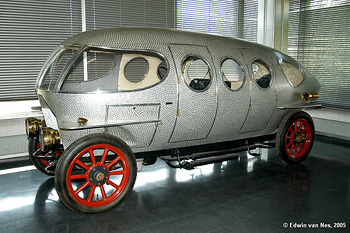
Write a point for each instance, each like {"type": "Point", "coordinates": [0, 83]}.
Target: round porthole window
{"type": "Point", "coordinates": [136, 69]}
{"type": "Point", "coordinates": [262, 73]}
{"type": "Point", "coordinates": [196, 73]}
{"type": "Point", "coordinates": [232, 74]}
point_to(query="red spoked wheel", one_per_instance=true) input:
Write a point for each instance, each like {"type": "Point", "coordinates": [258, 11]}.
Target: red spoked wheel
{"type": "Point", "coordinates": [96, 173]}
{"type": "Point", "coordinates": [298, 138]}
{"type": "Point", "coordinates": [295, 137]}
{"type": "Point", "coordinates": [40, 164]}
{"type": "Point", "coordinates": [98, 177]}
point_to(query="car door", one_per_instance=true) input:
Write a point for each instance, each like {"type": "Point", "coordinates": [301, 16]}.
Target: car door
{"type": "Point", "coordinates": [262, 90]}
{"type": "Point", "coordinates": [233, 94]}
{"type": "Point", "coordinates": [197, 99]}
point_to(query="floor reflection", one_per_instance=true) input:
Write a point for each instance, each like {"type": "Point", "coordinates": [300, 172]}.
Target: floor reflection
{"type": "Point", "coordinates": [46, 198]}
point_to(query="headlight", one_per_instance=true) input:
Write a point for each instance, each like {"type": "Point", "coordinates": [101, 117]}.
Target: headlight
{"type": "Point", "coordinates": [33, 126]}
{"type": "Point", "coordinates": [48, 138]}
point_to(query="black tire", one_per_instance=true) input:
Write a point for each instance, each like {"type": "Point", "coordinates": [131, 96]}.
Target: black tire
{"type": "Point", "coordinates": [40, 164]}
{"type": "Point", "coordinates": [86, 167]}
{"type": "Point", "coordinates": [295, 137]}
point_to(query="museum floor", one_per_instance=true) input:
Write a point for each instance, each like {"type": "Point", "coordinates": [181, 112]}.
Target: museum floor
{"type": "Point", "coordinates": [245, 195]}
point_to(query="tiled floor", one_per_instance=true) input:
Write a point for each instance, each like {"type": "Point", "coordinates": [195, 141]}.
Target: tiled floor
{"type": "Point", "coordinates": [245, 195]}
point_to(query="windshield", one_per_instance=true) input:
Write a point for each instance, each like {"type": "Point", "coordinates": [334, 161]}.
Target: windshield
{"type": "Point", "coordinates": [54, 70]}
{"type": "Point", "coordinates": [94, 70]}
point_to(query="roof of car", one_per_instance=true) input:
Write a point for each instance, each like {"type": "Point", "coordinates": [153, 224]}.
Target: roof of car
{"type": "Point", "coordinates": [134, 37]}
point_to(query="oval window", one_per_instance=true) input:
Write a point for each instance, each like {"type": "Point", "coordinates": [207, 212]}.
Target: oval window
{"type": "Point", "coordinates": [232, 74]}
{"type": "Point", "coordinates": [262, 73]}
{"type": "Point", "coordinates": [292, 73]}
{"type": "Point", "coordinates": [196, 73]}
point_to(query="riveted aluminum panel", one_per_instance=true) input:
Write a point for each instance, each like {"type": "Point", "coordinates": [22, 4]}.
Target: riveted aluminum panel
{"type": "Point", "coordinates": [146, 38]}
{"type": "Point", "coordinates": [196, 109]}
{"type": "Point", "coordinates": [136, 135]}
{"type": "Point", "coordinates": [232, 105]}
{"type": "Point", "coordinates": [135, 111]}
{"type": "Point", "coordinates": [50, 119]}
{"type": "Point", "coordinates": [263, 100]}
{"type": "Point", "coordinates": [68, 137]}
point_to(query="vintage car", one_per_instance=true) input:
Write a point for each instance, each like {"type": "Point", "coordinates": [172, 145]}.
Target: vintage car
{"type": "Point", "coordinates": [113, 98]}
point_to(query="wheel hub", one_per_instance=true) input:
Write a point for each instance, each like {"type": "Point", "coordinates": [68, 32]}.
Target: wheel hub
{"type": "Point", "coordinates": [298, 138]}
{"type": "Point", "coordinates": [98, 175]}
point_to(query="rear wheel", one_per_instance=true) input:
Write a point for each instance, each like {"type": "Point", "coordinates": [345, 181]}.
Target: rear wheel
{"type": "Point", "coordinates": [95, 173]}
{"type": "Point", "coordinates": [295, 137]}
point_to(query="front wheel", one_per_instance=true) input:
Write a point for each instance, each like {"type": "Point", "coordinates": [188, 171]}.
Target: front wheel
{"type": "Point", "coordinates": [295, 137]}
{"type": "Point", "coordinates": [95, 174]}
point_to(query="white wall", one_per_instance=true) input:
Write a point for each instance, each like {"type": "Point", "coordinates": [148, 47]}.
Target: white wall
{"type": "Point", "coordinates": [13, 138]}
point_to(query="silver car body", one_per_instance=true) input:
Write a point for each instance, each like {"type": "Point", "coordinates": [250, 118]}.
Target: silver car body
{"type": "Point", "coordinates": [169, 113]}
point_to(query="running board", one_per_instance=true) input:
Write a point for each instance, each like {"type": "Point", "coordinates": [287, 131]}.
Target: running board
{"type": "Point", "coordinates": [204, 158]}
{"type": "Point", "coordinates": [190, 163]}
